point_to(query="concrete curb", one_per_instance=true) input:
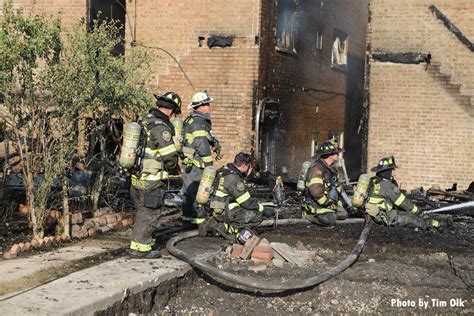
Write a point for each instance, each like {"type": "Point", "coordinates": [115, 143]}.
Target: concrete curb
{"type": "Point", "coordinates": [10, 270]}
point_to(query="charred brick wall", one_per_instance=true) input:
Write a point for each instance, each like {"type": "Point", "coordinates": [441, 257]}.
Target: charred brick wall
{"type": "Point", "coordinates": [312, 94]}
{"type": "Point", "coordinates": [422, 114]}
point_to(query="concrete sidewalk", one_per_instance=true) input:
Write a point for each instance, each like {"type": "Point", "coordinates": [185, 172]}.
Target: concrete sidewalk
{"type": "Point", "coordinates": [96, 288]}
{"type": "Point", "coordinates": [92, 289]}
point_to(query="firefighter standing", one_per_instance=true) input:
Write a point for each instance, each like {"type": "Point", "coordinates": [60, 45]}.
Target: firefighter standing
{"type": "Point", "coordinates": [322, 204]}
{"type": "Point", "coordinates": [149, 185]}
{"type": "Point", "coordinates": [234, 211]}
{"type": "Point", "coordinates": [197, 149]}
{"type": "Point", "coordinates": [389, 206]}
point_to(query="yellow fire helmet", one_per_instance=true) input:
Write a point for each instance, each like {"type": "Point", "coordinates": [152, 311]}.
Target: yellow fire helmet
{"type": "Point", "coordinates": [385, 164]}
{"type": "Point", "coordinates": [329, 147]}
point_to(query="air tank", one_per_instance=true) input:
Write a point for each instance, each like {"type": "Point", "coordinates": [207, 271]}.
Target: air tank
{"type": "Point", "coordinates": [178, 130]}
{"type": "Point", "coordinates": [205, 186]}
{"type": "Point", "coordinates": [300, 186]}
{"type": "Point", "coordinates": [131, 137]}
{"type": "Point", "coordinates": [360, 192]}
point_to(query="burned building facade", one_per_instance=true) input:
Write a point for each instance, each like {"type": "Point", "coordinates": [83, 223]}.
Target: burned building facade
{"type": "Point", "coordinates": [420, 88]}
{"type": "Point", "coordinates": [312, 68]}
{"type": "Point", "coordinates": [285, 74]}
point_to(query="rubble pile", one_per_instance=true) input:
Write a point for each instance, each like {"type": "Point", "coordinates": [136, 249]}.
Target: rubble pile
{"type": "Point", "coordinates": [265, 253]}
{"type": "Point", "coordinates": [436, 193]}
{"type": "Point", "coordinates": [436, 198]}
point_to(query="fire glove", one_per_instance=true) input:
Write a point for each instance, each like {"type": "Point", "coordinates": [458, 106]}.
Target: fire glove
{"type": "Point", "coordinates": [355, 211]}
{"type": "Point", "coordinates": [217, 149]}
{"type": "Point", "coordinates": [188, 163]}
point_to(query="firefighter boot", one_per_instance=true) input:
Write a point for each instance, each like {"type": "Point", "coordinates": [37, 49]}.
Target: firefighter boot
{"type": "Point", "coordinates": [152, 254]}
{"type": "Point", "coordinates": [223, 230]}
{"type": "Point", "coordinates": [327, 220]}
{"type": "Point", "coordinates": [440, 225]}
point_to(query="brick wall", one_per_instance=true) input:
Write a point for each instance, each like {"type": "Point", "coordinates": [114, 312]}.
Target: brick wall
{"type": "Point", "coordinates": [420, 118]}
{"type": "Point", "coordinates": [70, 11]}
{"type": "Point", "coordinates": [240, 75]}
{"type": "Point", "coordinates": [409, 26]}
{"type": "Point", "coordinates": [228, 74]}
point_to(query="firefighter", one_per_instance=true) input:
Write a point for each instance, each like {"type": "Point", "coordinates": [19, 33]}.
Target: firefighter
{"type": "Point", "coordinates": [322, 204]}
{"type": "Point", "coordinates": [389, 206]}
{"type": "Point", "coordinates": [148, 186]}
{"type": "Point", "coordinates": [234, 211]}
{"type": "Point", "coordinates": [197, 149]}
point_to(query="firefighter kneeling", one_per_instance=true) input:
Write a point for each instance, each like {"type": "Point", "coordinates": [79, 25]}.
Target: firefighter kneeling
{"type": "Point", "coordinates": [322, 204]}
{"type": "Point", "coordinates": [234, 211]}
{"type": "Point", "coordinates": [389, 206]}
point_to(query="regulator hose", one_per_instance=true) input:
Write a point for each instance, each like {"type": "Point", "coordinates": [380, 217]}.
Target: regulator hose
{"type": "Point", "coordinates": [266, 286]}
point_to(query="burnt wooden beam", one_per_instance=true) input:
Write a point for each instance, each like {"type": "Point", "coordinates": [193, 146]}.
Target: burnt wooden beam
{"type": "Point", "coordinates": [402, 58]}
{"type": "Point", "coordinates": [451, 27]}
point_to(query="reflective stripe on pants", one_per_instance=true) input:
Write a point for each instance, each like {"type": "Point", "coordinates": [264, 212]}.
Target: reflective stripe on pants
{"type": "Point", "coordinates": [135, 245]}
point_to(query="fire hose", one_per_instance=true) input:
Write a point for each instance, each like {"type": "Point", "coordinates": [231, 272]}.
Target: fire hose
{"type": "Point", "coordinates": [267, 286]}
{"type": "Point", "coordinates": [468, 205]}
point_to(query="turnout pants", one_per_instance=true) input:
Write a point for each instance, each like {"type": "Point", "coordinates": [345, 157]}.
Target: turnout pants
{"type": "Point", "coordinates": [191, 181]}
{"type": "Point", "coordinates": [229, 223]}
{"type": "Point", "coordinates": [399, 218]}
{"type": "Point", "coordinates": [148, 200]}
{"type": "Point", "coordinates": [240, 218]}
{"type": "Point", "coordinates": [324, 216]}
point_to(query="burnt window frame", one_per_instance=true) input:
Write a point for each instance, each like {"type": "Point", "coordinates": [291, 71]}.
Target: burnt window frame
{"type": "Point", "coordinates": [317, 45]}
{"type": "Point", "coordinates": [280, 6]}
{"type": "Point", "coordinates": [345, 38]}
{"type": "Point", "coordinates": [117, 7]}
{"type": "Point", "coordinates": [314, 143]}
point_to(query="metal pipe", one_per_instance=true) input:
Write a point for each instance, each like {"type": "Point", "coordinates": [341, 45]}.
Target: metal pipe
{"type": "Point", "coordinates": [290, 221]}
{"type": "Point", "coordinates": [346, 198]}
{"type": "Point", "coordinates": [451, 207]}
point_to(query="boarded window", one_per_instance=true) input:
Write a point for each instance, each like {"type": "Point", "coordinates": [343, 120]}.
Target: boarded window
{"type": "Point", "coordinates": [339, 51]}
{"type": "Point", "coordinates": [286, 25]}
